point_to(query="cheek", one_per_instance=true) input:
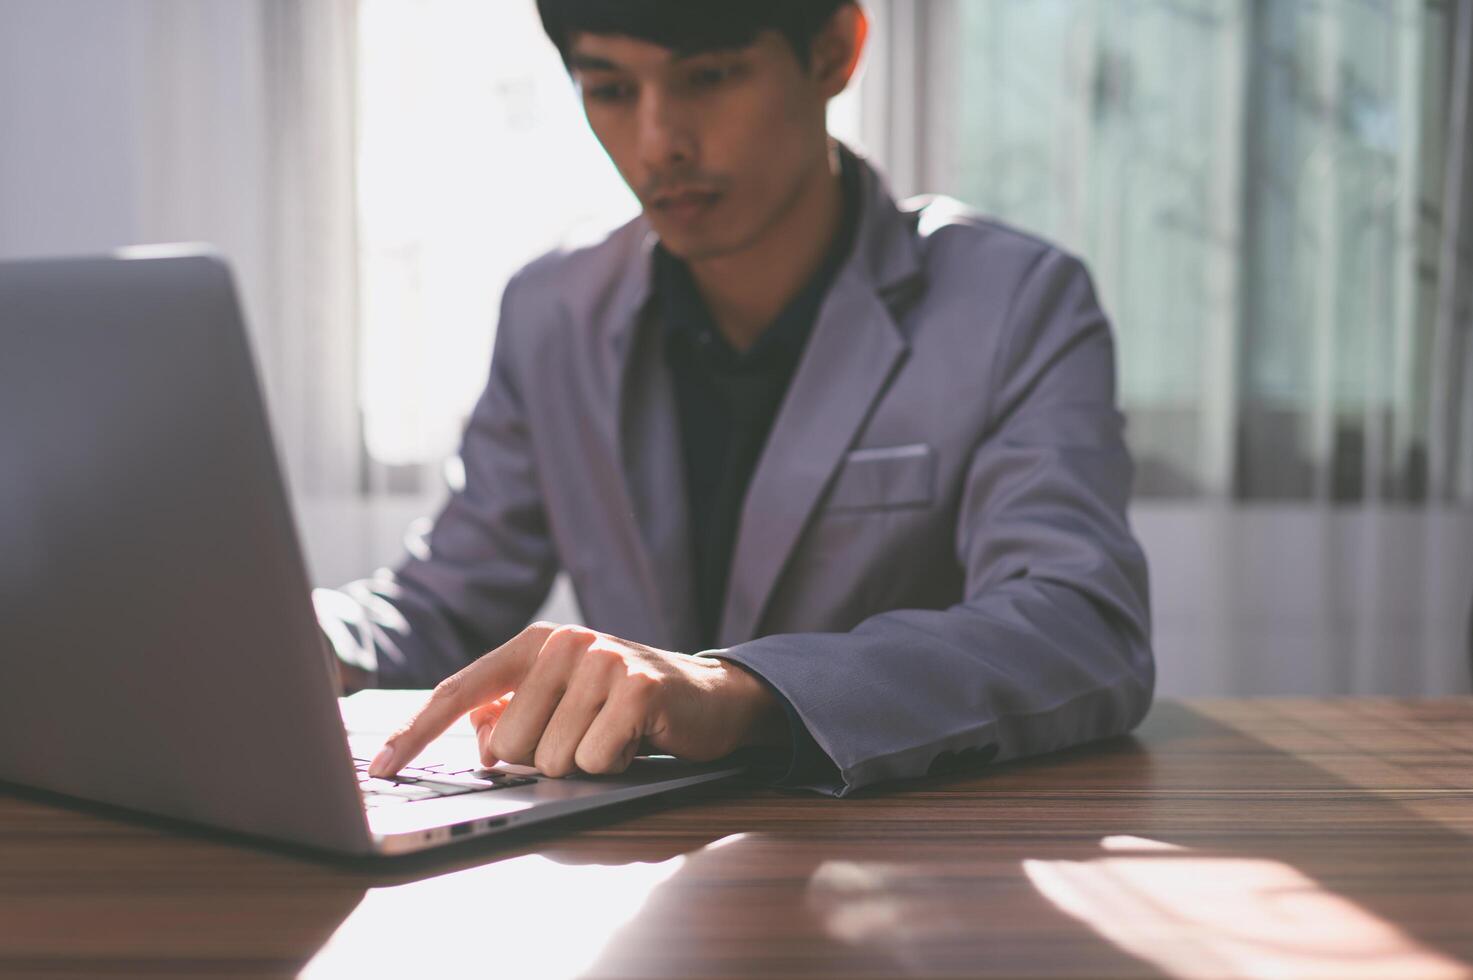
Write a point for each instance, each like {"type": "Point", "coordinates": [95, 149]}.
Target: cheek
{"type": "Point", "coordinates": [762, 140]}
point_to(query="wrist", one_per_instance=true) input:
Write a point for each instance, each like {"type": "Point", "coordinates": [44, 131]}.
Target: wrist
{"type": "Point", "coordinates": [760, 718]}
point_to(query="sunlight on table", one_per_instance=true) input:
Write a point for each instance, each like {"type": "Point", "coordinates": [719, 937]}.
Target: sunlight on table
{"type": "Point", "coordinates": [1195, 916]}
{"type": "Point", "coordinates": [525, 917]}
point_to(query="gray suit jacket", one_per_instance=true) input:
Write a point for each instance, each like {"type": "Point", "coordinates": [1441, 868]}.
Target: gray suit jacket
{"type": "Point", "coordinates": [933, 562]}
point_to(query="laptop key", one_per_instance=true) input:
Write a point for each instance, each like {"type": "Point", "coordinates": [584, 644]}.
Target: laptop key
{"type": "Point", "coordinates": [412, 789]}
{"type": "Point", "coordinates": [415, 793]}
{"type": "Point", "coordinates": [373, 785]}
{"type": "Point", "coordinates": [497, 776]}
{"type": "Point", "coordinates": [381, 799]}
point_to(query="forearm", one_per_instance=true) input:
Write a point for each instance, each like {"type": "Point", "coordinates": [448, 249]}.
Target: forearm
{"type": "Point", "coordinates": [406, 631]}
{"type": "Point", "coordinates": [387, 640]}
{"type": "Point", "coordinates": [1030, 668]}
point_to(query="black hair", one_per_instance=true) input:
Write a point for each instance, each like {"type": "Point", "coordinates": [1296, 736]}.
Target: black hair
{"type": "Point", "coordinates": [689, 26]}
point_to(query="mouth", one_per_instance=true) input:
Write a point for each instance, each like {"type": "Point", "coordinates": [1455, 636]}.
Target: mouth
{"type": "Point", "coordinates": [685, 206]}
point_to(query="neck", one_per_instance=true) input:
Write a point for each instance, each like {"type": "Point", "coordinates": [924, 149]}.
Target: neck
{"type": "Point", "coordinates": [745, 290]}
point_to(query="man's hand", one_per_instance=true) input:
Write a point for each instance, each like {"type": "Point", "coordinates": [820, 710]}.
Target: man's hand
{"type": "Point", "coordinates": [586, 701]}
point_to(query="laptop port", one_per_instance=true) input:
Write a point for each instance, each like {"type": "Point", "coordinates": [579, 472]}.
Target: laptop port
{"type": "Point", "coordinates": [461, 829]}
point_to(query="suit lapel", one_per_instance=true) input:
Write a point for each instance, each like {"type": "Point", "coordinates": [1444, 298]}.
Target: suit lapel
{"type": "Point", "coordinates": [647, 439]}
{"type": "Point", "coordinates": [654, 470]}
{"type": "Point", "coordinates": [854, 350]}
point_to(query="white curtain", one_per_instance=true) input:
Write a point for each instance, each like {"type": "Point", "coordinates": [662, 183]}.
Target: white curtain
{"type": "Point", "coordinates": [1273, 196]}
{"type": "Point", "coordinates": [246, 140]}
{"type": "Point", "coordinates": [1451, 403]}
{"type": "Point", "coordinates": [228, 122]}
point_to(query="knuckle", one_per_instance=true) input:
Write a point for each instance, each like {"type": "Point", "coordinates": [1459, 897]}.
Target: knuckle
{"type": "Point", "coordinates": [595, 759]}
{"type": "Point", "coordinates": [449, 689]}
{"type": "Point", "coordinates": [549, 763]}
{"type": "Point", "coordinates": [605, 656]}
{"type": "Point", "coordinates": [572, 636]}
{"type": "Point", "coordinates": [638, 680]}
{"type": "Point", "coordinates": [639, 688]}
{"type": "Point", "coordinates": [509, 749]}
{"type": "Point", "coordinates": [564, 644]}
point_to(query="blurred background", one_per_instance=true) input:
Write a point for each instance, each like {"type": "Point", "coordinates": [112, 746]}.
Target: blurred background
{"type": "Point", "coordinates": [1275, 198]}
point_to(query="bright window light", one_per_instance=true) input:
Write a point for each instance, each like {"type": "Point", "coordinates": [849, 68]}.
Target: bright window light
{"type": "Point", "coordinates": [474, 157]}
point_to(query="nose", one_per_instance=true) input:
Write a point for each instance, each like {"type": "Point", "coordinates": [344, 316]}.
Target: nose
{"type": "Point", "coordinates": [666, 140]}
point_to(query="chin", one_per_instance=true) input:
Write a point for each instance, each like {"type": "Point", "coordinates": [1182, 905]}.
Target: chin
{"type": "Point", "coordinates": [694, 248]}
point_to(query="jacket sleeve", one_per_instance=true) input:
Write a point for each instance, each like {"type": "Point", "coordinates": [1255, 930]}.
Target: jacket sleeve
{"type": "Point", "coordinates": [478, 574]}
{"type": "Point", "coordinates": [1050, 645]}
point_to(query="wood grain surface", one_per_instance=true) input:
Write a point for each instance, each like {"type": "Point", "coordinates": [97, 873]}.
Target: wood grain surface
{"type": "Point", "coordinates": [1277, 837]}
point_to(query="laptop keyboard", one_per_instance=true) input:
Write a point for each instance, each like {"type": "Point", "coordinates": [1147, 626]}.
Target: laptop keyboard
{"type": "Point", "coordinates": [412, 785]}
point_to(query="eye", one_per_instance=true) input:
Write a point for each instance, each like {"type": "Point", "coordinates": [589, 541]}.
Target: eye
{"type": "Point", "coordinates": [710, 76]}
{"type": "Point", "coordinates": [705, 77]}
{"type": "Point", "coordinates": [608, 92]}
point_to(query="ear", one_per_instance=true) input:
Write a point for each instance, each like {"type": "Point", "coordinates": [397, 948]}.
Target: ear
{"type": "Point", "coordinates": [837, 47]}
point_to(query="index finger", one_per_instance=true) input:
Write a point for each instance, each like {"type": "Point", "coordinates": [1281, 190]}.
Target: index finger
{"type": "Point", "coordinates": [487, 679]}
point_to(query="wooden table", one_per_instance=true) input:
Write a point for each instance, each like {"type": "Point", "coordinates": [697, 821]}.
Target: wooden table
{"type": "Point", "coordinates": [1226, 838]}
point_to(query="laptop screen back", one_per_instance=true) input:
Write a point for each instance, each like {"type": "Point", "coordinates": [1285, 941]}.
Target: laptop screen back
{"type": "Point", "coordinates": [157, 644]}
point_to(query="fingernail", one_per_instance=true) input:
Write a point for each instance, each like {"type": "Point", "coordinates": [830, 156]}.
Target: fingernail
{"type": "Point", "coordinates": [380, 764]}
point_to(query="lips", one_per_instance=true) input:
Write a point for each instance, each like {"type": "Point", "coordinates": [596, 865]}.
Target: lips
{"type": "Point", "coordinates": [685, 205]}
{"type": "Point", "coordinates": [676, 198]}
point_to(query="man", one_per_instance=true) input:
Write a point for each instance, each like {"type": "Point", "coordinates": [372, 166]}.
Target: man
{"type": "Point", "coordinates": [840, 485]}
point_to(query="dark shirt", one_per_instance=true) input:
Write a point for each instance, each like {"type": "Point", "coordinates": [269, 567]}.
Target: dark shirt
{"type": "Point", "coordinates": [727, 401]}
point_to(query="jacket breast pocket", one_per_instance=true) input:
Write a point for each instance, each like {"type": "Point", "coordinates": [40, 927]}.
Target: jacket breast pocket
{"type": "Point", "coordinates": [884, 478]}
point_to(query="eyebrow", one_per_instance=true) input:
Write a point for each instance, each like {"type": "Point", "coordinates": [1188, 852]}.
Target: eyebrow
{"type": "Point", "coordinates": [587, 62]}
{"type": "Point", "coordinates": [579, 61]}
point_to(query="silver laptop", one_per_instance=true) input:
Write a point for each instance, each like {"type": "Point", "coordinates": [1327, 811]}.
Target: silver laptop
{"type": "Point", "coordinates": [158, 648]}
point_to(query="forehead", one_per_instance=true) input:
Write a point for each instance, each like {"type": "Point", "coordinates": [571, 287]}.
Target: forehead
{"type": "Point", "coordinates": [619, 52]}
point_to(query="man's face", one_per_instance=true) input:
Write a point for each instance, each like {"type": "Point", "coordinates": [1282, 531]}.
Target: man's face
{"type": "Point", "coordinates": [716, 145]}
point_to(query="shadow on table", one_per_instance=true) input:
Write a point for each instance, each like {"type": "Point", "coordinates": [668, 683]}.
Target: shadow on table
{"type": "Point", "coordinates": [1194, 850]}
{"type": "Point", "coordinates": [1191, 849]}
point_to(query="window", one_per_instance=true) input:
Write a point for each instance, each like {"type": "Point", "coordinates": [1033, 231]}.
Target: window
{"type": "Point", "coordinates": [1257, 186]}
{"type": "Point", "coordinates": [474, 157]}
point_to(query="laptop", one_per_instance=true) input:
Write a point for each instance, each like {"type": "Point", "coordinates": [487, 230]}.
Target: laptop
{"type": "Point", "coordinates": [158, 646]}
